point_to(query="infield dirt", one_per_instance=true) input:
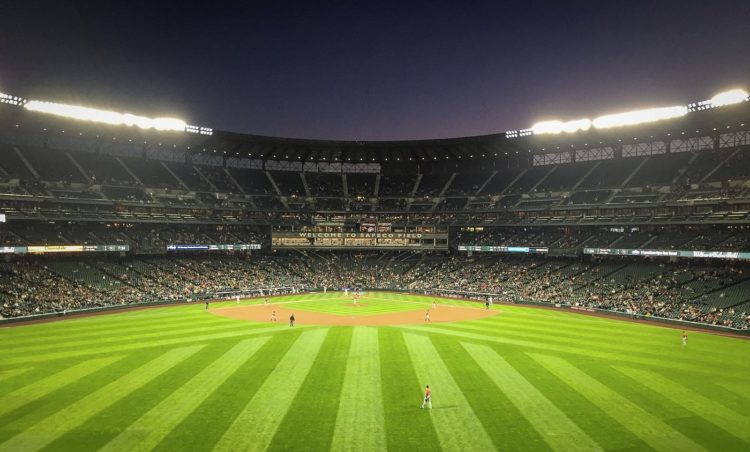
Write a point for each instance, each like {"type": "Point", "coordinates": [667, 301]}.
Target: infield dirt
{"type": "Point", "coordinates": [444, 313]}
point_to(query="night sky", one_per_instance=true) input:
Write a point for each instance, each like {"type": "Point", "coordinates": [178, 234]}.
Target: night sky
{"type": "Point", "coordinates": [374, 70]}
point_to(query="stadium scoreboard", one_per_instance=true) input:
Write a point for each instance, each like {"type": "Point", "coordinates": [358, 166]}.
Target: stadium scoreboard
{"type": "Point", "coordinates": [47, 249]}
{"type": "Point", "coordinates": [366, 235]}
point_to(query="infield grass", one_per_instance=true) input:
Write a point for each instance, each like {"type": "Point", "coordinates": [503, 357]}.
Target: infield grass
{"type": "Point", "coordinates": [180, 378]}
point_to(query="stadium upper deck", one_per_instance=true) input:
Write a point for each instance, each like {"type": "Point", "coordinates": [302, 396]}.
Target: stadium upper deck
{"type": "Point", "coordinates": [687, 169]}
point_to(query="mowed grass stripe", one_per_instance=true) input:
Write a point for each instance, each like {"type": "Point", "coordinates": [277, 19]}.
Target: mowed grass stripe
{"type": "Point", "coordinates": [130, 328]}
{"type": "Point", "coordinates": [110, 339]}
{"type": "Point", "coordinates": [650, 331]}
{"type": "Point", "coordinates": [613, 344]}
{"type": "Point", "coordinates": [563, 320]}
{"type": "Point", "coordinates": [740, 389]}
{"type": "Point", "coordinates": [8, 374]}
{"type": "Point", "coordinates": [401, 397]}
{"type": "Point", "coordinates": [51, 383]}
{"type": "Point", "coordinates": [103, 321]}
{"type": "Point", "coordinates": [457, 427]}
{"type": "Point", "coordinates": [251, 330]}
{"type": "Point", "coordinates": [637, 335]}
{"type": "Point", "coordinates": [47, 430]}
{"type": "Point", "coordinates": [558, 431]}
{"type": "Point", "coordinates": [360, 423]}
{"type": "Point", "coordinates": [714, 412]}
{"type": "Point", "coordinates": [581, 351]}
{"type": "Point", "coordinates": [155, 425]}
{"type": "Point", "coordinates": [504, 323]}
{"type": "Point", "coordinates": [319, 394]}
{"type": "Point", "coordinates": [256, 425]}
{"type": "Point", "coordinates": [643, 424]}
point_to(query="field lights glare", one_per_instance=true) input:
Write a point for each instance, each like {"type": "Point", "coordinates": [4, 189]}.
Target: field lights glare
{"type": "Point", "coordinates": [734, 96]}
{"type": "Point", "coordinates": [107, 117]}
{"type": "Point", "coordinates": [560, 126]}
{"type": "Point", "coordinates": [631, 118]}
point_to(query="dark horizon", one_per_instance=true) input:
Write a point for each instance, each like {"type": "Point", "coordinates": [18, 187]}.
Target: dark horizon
{"type": "Point", "coordinates": [374, 72]}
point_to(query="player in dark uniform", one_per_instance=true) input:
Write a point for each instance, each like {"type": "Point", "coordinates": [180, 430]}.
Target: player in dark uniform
{"type": "Point", "coordinates": [291, 320]}
{"type": "Point", "coordinates": [206, 305]}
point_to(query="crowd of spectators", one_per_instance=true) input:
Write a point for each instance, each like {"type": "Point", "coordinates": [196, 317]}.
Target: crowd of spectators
{"type": "Point", "coordinates": [705, 294]}
{"type": "Point", "coordinates": [638, 289]}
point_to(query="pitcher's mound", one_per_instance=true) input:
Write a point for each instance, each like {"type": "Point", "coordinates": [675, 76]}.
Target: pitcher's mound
{"type": "Point", "coordinates": [260, 313]}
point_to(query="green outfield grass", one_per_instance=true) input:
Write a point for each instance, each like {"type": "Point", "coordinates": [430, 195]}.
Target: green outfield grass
{"type": "Point", "coordinates": [180, 378]}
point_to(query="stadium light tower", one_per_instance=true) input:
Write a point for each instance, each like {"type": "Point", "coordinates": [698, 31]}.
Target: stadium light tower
{"type": "Point", "coordinates": [631, 118]}
{"type": "Point", "coordinates": [734, 96]}
{"type": "Point", "coordinates": [555, 127]}
{"type": "Point", "coordinates": [106, 117]}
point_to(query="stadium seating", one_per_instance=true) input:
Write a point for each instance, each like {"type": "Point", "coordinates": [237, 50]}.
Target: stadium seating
{"type": "Point", "coordinates": [568, 193]}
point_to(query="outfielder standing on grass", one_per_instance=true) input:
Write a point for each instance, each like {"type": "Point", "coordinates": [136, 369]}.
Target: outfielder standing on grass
{"type": "Point", "coordinates": [427, 398]}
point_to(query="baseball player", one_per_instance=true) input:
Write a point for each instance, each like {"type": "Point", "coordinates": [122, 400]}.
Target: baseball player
{"type": "Point", "coordinates": [291, 320]}
{"type": "Point", "coordinates": [427, 316]}
{"type": "Point", "coordinates": [427, 398]}
{"type": "Point", "coordinates": [273, 316]}
{"type": "Point", "coordinates": [684, 338]}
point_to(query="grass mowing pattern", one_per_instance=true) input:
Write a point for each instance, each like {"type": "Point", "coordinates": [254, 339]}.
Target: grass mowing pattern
{"type": "Point", "coordinates": [456, 424]}
{"type": "Point", "coordinates": [558, 431]}
{"type": "Point", "coordinates": [154, 426]}
{"type": "Point", "coordinates": [54, 382]}
{"type": "Point", "coordinates": [179, 378]}
{"type": "Point", "coordinates": [360, 424]}
{"type": "Point", "coordinates": [51, 428]}
{"type": "Point", "coordinates": [256, 425]}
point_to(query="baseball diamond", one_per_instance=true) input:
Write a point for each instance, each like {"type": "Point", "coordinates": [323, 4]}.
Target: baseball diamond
{"type": "Point", "coordinates": [178, 377]}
